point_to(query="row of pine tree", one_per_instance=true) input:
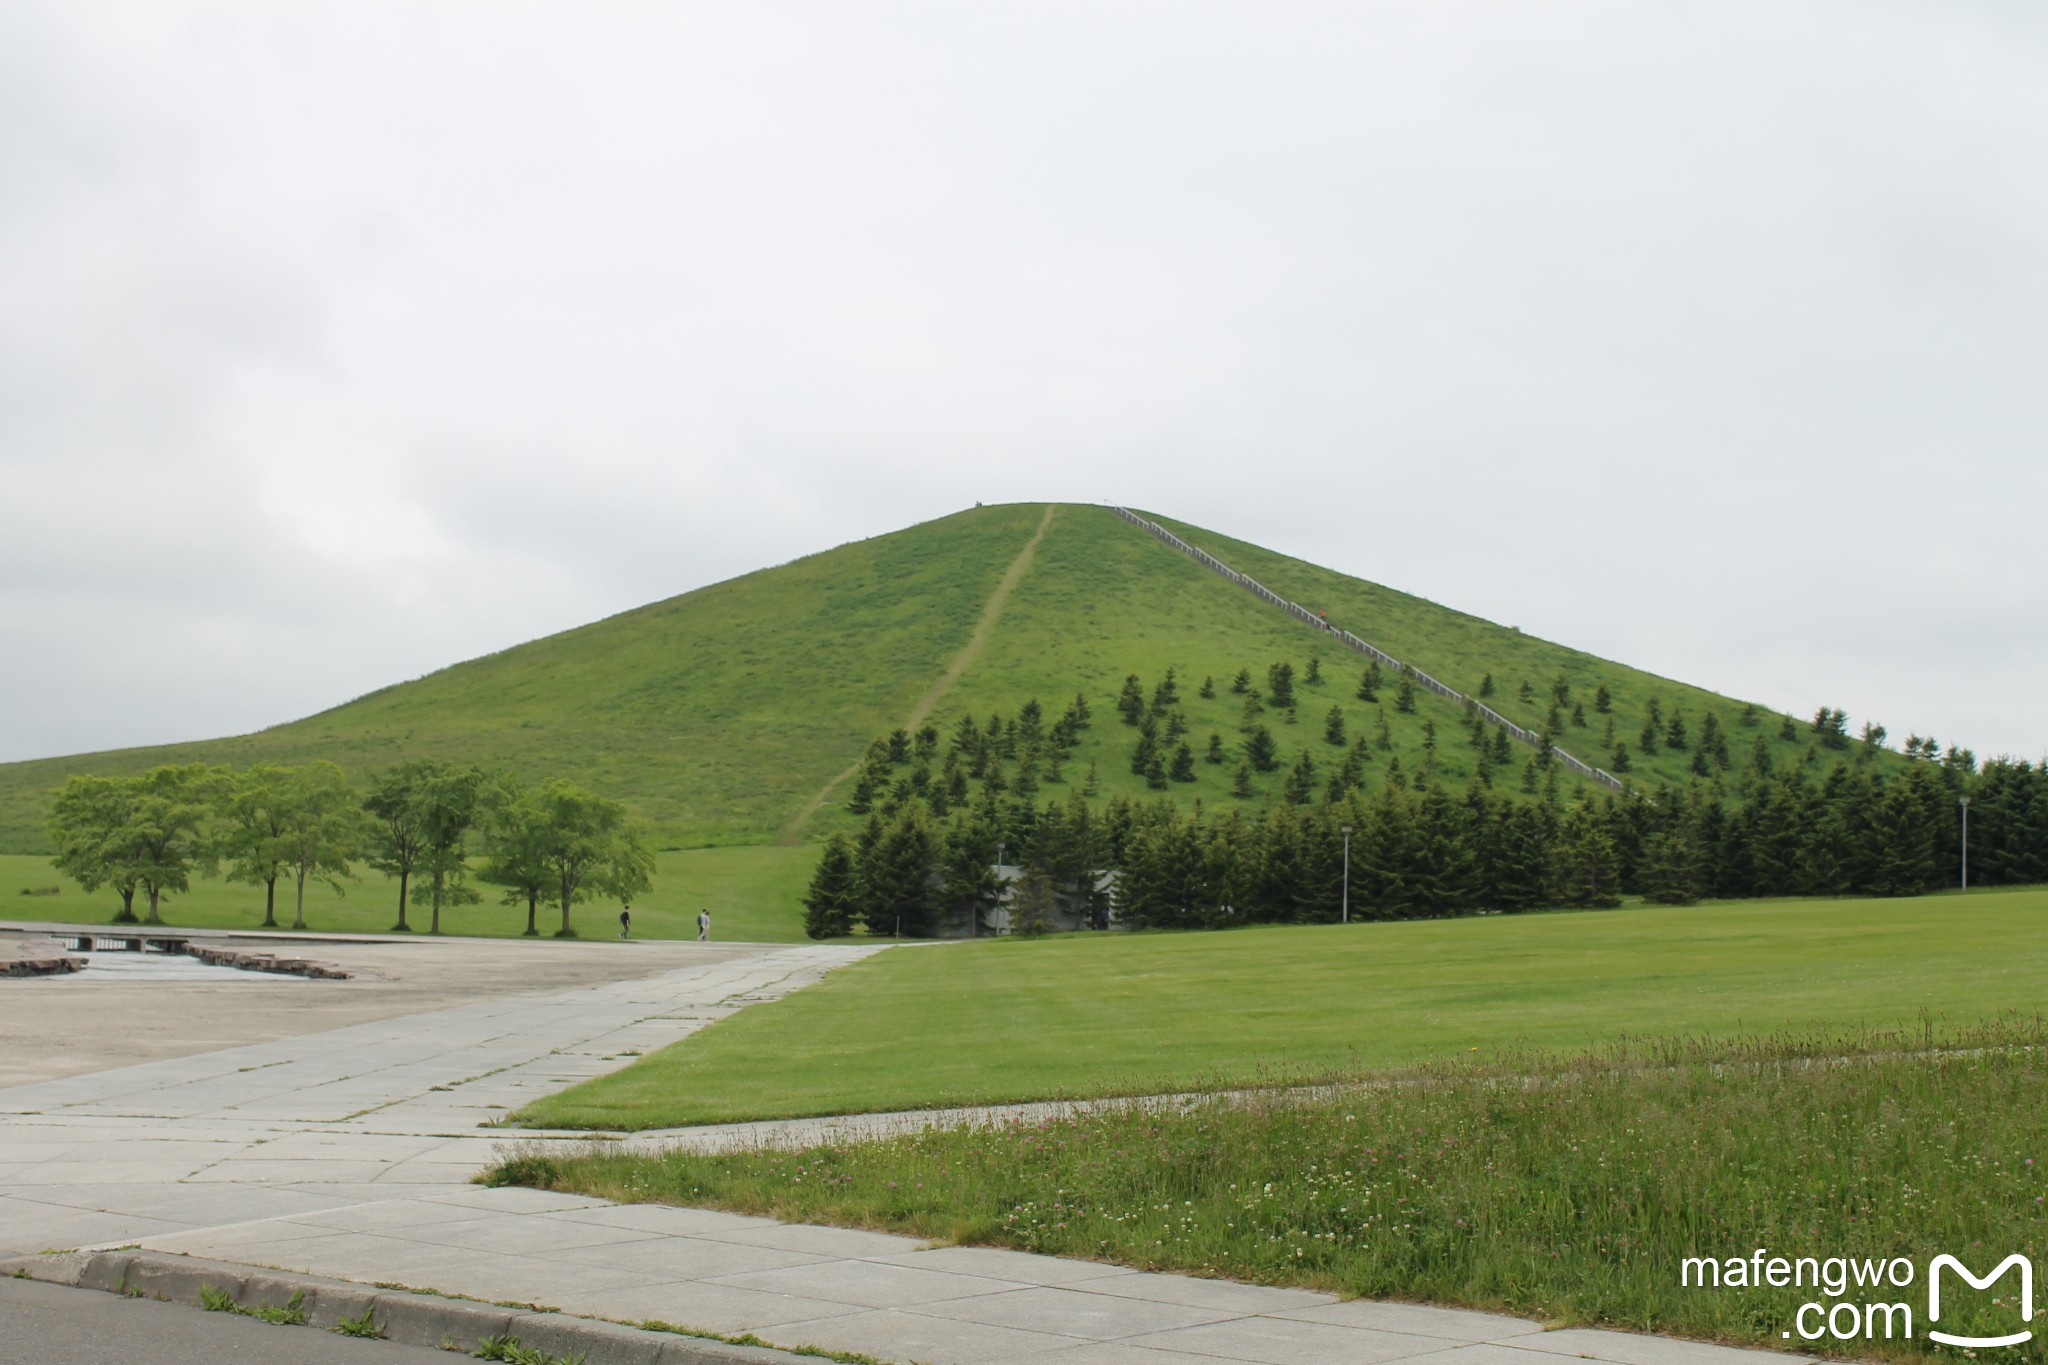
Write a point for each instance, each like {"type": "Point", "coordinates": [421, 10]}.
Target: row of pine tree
{"type": "Point", "coordinates": [1843, 824]}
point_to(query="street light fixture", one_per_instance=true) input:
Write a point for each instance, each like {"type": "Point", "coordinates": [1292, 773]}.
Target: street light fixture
{"type": "Point", "coordinates": [1345, 914]}
{"type": "Point", "coordinates": [1965, 802]}
{"type": "Point", "coordinates": [999, 882]}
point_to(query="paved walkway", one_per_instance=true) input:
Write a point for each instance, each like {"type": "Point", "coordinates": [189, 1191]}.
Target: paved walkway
{"type": "Point", "coordinates": [348, 1153]}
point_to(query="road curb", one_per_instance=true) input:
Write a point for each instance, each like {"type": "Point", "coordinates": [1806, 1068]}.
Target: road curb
{"type": "Point", "coordinates": [408, 1318]}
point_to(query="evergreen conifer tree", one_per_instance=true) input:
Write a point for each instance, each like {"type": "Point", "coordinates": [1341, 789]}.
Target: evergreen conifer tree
{"type": "Point", "coordinates": [1215, 754]}
{"type": "Point", "coordinates": [1503, 748]}
{"type": "Point", "coordinates": [1130, 703]}
{"type": "Point", "coordinates": [1091, 785]}
{"type": "Point", "coordinates": [1025, 785]}
{"type": "Point", "coordinates": [1313, 677]}
{"type": "Point", "coordinates": [1671, 871]}
{"type": "Point", "coordinates": [1674, 733]}
{"type": "Point", "coordinates": [1619, 763]}
{"type": "Point", "coordinates": [1146, 750]}
{"type": "Point", "coordinates": [1260, 749]}
{"type": "Point", "coordinates": [1404, 697]}
{"type": "Point", "coordinates": [1183, 769]}
{"type": "Point", "coordinates": [1241, 782]}
{"type": "Point", "coordinates": [1280, 685]}
{"type": "Point", "coordinates": [1208, 689]}
{"type": "Point", "coordinates": [1242, 682]}
{"type": "Point", "coordinates": [1714, 740]}
{"type": "Point", "coordinates": [1584, 863]}
{"type": "Point", "coordinates": [1369, 682]}
{"type": "Point", "coordinates": [833, 903]}
{"type": "Point", "coordinates": [1300, 787]}
{"type": "Point", "coordinates": [1603, 700]}
{"type": "Point", "coordinates": [1486, 688]}
{"type": "Point", "coordinates": [1578, 715]}
{"type": "Point", "coordinates": [1333, 727]}
{"type": "Point", "coordinates": [1254, 707]}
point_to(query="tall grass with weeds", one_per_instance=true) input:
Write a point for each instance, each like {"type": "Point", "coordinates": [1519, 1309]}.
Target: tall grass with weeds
{"type": "Point", "coordinates": [1570, 1188]}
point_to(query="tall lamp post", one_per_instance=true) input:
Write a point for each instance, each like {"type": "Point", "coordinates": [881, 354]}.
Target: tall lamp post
{"type": "Point", "coordinates": [999, 882]}
{"type": "Point", "coordinates": [1965, 802]}
{"type": "Point", "coordinates": [1345, 913]}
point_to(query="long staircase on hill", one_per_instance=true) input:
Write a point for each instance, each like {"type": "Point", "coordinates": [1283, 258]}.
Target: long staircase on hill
{"type": "Point", "coordinates": [1350, 641]}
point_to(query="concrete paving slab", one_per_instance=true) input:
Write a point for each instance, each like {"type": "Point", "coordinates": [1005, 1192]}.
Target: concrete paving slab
{"type": "Point", "coordinates": [553, 1284]}
{"type": "Point", "coordinates": [816, 1241]}
{"type": "Point", "coordinates": [1075, 1312]}
{"type": "Point", "coordinates": [668, 1219]}
{"type": "Point", "coordinates": [870, 1284]}
{"type": "Point", "coordinates": [720, 1308]}
{"type": "Point", "coordinates": [1116, 1353]}
{"type": "Point", "coordinates": [1224, 1296]}
{"type": "Point", "coordinates": [1451, 1324]}
{"type": "Point", "coordinates": [997, 1264]}
{"type": "Point", "coordinates": [377, 1217]}
{"type": "Point", "coordinates": [1284, 1341]}
{"type": "Point", "coordinates": [511, 1235]}
{"type": "Point", "coordinates": [1490, 1353]}
{"type": "Point", "coordinates": [1629, 1348]}
{"type": "Point", "coordinates": [681, 1258]}
{"type": "Point", "coordinates": [511, 1199]}
{"type": "Point", "coordinates": [895, 1335]}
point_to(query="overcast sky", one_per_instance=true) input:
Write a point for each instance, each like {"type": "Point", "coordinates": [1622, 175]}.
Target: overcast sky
{"type": "Point", "coordinates": [342, 342]}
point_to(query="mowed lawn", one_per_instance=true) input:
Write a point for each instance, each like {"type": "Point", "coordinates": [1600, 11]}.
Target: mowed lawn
{"type": "Point", "coordinates": [1077, 1016]}
{"type": "Point", "coordinates": [753, 894]}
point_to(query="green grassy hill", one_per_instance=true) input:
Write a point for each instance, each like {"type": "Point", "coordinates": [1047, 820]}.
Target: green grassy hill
{"type": "Point", "coordinates": [732, 715]}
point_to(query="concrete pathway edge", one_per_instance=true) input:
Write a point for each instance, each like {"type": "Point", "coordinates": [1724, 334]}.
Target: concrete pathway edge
{"type": "Point", "coordinates": [408, 1318]}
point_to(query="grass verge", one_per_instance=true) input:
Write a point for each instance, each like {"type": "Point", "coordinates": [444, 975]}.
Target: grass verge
{"type": "Point", "coordinates": [1120, 1014]}
{"type": "Point", "coordinates": [1568, 1189]}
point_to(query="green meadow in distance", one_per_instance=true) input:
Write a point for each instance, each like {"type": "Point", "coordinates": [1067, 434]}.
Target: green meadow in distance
{"type": "Point", "coordinates": [1019, 1019]}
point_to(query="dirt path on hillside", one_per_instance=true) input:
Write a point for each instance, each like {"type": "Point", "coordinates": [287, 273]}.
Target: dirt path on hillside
{"type": "Point", "coordinates": [985, 627]}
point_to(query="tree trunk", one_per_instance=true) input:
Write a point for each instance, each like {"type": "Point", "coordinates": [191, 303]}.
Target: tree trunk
{"type": "Point", "coordinates": [127, 915]}
{"type": "Point", "coordinates": [299, 913]}
{"type": "Point", "coordinates": [154, 892]}
{"type": "Point", "coordinates": [437, 907]}
{"type": "Point", "coordinates": [404, 880]}
{"type": "Point", "coordinates": [565, 931]}
{"type": "Point", "coordinates": [532, 910]}
{"type": "Point", "coordinates": [270, 901]}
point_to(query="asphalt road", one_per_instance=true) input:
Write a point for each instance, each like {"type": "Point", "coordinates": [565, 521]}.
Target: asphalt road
{"type": "Point", "coordinates": [49, 1324]}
